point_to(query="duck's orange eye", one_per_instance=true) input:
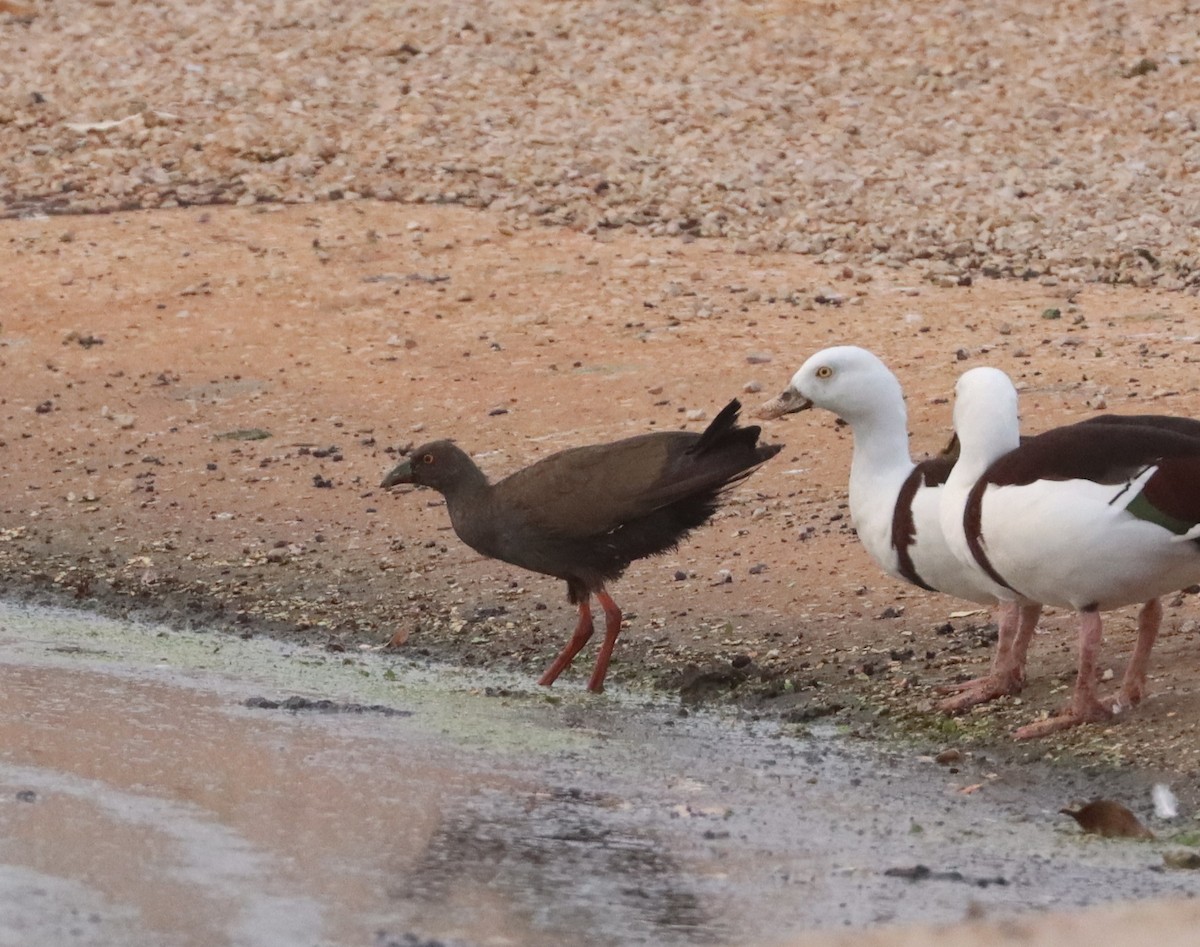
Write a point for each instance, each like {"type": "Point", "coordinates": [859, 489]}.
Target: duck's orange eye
{"type": "Point", "coordinates": [427, 459]}
{"type": "Point", "coordinates": [824, 371]}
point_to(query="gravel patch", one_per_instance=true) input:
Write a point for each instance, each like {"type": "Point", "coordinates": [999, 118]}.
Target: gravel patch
{"type": "Point", "coordinates": [1056, 141]}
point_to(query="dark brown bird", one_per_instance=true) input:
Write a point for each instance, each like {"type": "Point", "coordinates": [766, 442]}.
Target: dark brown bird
{"type": "Point", "coordinates": [583, 515]}
{"type": "Point", "coordinates": [1108, 819]}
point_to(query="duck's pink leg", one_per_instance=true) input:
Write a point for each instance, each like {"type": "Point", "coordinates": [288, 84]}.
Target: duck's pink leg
{"type": "Point", "coordinates": [1017, 624]}
{"type": "Point", "coordinates": [1084, 706]}
{"type": "Point", "coordinates": [612, 628]}
{"type": "Point", "coordinates": [1026, 626]}
{"type": "Point", "coordinates": [1133, 684]}
{"type": "Point", "coordinates": [583, 632]}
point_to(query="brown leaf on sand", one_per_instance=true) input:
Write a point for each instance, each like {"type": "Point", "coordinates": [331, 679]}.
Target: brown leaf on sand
{"type": "Point", "coordinates": [398, 639]}
{"type": "Point", "coordinates": [16, 9]}
{"type": "Point", "coordinates": [1109, 819]}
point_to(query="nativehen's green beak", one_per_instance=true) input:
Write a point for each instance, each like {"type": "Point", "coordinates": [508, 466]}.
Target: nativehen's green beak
{"type": "Point", "coordinates": [401, 473]}
{"type": "Point", "coordinates": [789, 402]}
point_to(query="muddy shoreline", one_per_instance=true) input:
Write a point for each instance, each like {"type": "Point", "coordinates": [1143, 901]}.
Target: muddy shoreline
{"type": "Point", "coordinates": [464, 803]}
{"type": "Point", "coordinates": [140, 349]}
{"type": "Point", "coordinates": [699, 679]}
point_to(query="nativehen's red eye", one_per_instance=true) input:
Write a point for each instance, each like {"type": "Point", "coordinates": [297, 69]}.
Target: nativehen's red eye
{"type": "Point", "coordinates": [427, 459]}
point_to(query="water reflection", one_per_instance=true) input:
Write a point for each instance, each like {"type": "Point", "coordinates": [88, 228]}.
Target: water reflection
{"type": "Point", "coordinates": [572, 859]}
{"type": "Point", "coordinates": [143, 796]}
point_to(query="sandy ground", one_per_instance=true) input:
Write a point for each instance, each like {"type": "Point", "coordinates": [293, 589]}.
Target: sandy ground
{"type": "Point", "coordinates": [1161, 924]}
{"type": "Point", "coordinates": [898, 155]}
{"type": "Point", "coordinates": [133, 345]}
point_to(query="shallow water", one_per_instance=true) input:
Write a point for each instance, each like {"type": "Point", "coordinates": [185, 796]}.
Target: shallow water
{"type": "Point", "coordinates": [142, 802]}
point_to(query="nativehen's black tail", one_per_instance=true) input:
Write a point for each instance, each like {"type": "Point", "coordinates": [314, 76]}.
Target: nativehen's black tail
{"type": "Point", "coordinates": [723, 433]}
{"type": "Point", "coordinates": [686, 492]}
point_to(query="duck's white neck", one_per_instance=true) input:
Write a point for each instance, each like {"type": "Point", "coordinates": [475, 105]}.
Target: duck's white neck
{"type": "Point", "coordinates": [988, 426]}
{"type": "Point", "coordinates": [987, 430]}
{"type": "Point", "coordinates": [881, 458]}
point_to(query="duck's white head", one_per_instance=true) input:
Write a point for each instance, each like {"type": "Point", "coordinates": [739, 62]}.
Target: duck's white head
{"type": "Point", "coordinates": [986, 420]}
{"type": "Point", "coordinates": [847, 380]}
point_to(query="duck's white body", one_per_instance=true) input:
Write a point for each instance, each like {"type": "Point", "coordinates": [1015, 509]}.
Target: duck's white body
{"type": "Point", "coordinates": [1067, 519]}
{"type": "Point", "coordinates": [1088, 552]}
{"type": "Point", "coordinates": [875, 485]}
{"type": "Point", "coordinates": [856, 386]}
{"type": "Point", "coordinates": [896, 505]}
{"type": "Point", "coordinates": [1068, 543]}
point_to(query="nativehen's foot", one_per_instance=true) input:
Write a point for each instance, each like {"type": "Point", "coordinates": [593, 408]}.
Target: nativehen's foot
{"type": "Point", "coordinates": [1086, 710]}
{"type": "Point", "coordinates": [612, 628]}
{"type": "Point", "coordinates": [979, 691]}
{"type": "Point", "coordinates": [583, 633]}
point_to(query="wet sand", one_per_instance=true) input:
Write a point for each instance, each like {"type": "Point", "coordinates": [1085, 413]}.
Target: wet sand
{"type": "Point", "coordinates": [155, 796]}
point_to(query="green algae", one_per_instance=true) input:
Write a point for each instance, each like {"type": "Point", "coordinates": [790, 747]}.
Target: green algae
{"type": "Point", "coordinates": [470, 707]}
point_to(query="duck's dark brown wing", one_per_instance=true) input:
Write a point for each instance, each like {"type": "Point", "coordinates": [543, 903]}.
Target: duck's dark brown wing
{"type": "Point", "coordinates": [1092, 450]}
{"type": "Point", "coordinates": [1188, 427]}
{"type": "Point", "coordinates": [932, 472]}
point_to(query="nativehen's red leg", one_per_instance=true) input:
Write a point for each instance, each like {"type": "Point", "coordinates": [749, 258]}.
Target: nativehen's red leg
{"type": "Point", "coordinates": [1017, 624]}
{"type": "Point", "coordinates": [1084, 707]}
{"type": "Point", "coordinates": [1133, 685]}
{"type": "Point", "coordinates": [583, 632]}
{"type": "Point", "coordinates": [612, 628]}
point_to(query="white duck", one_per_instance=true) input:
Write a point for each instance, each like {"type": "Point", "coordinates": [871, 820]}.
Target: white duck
{"type": "Point", "coordinates": [895, 504]}
{"type": "Point", "coordinates": [1091, 517]}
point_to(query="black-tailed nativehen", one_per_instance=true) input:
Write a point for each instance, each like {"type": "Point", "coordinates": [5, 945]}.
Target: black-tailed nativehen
{"type": "Point", "coordinates": [583, 515]}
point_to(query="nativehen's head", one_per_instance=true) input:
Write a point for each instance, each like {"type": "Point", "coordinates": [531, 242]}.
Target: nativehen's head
{"type": "Point", "coordinates": [438, 464]}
